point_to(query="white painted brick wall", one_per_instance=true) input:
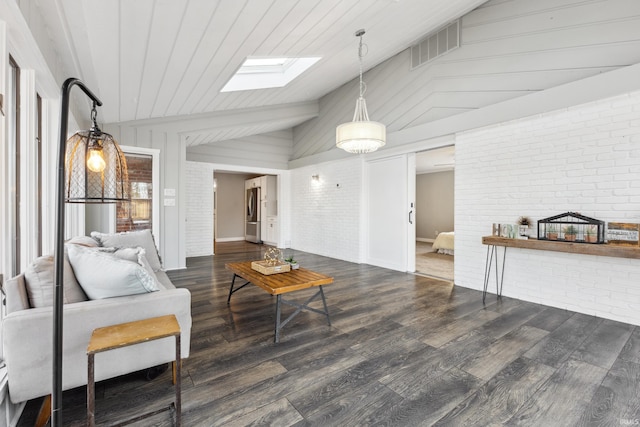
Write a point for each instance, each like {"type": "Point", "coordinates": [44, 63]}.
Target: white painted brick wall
{"type": "Point", "coordinates": [199, 211]}
{"type": "Point", "coordinates": [325, 216]}
{"type": "Point", "coordinates": [584, 159]}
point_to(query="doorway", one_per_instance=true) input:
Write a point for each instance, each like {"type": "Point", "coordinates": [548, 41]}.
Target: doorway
{"type": "Point", "coordinates": [435, 212]}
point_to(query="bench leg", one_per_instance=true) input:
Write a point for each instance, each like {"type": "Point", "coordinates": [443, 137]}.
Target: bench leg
{"type": "Point", "coordinates": [91, 398]}
{"type": "Point", "coordinates": [45, 412]}
{"type": "Point", "coordinates": [178, 383]}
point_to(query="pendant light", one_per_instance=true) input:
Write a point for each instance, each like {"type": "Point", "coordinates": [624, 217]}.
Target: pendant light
{"type": "Point", "coordinates": [361, 135]}
{"type": "Point", "coordinates": [96, 169]}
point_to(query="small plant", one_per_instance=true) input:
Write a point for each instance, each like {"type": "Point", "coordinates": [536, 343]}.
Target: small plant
{"type": "Point", "coordinates": [591, 234]}
{"type": "Point", "coordinates": [570, 232]}
{"type": "Point", "coordinates": [524, 221]}
{"type": "Point", "coordinates": [523, 225]}
{"type": "Point", "coordinates": [292, 262]}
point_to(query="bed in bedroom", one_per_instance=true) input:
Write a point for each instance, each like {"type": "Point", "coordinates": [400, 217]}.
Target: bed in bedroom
{"type": "Point", "coordinates": [444, 243]}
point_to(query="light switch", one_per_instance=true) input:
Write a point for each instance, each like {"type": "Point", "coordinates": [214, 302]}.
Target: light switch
{"type": "Point", "coordinates": [170, 192]}
{"type": "Point", "coordinates": [169, 202]}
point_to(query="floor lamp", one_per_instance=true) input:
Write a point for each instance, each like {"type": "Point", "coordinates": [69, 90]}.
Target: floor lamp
{"type": "Point", "coordinates": [91, 169]}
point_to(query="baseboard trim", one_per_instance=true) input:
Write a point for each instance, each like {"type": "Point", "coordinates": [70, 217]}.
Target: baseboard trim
{"type": "Point", "coordinates": [229, 239]}
{"type": "Point", "coordinates": [425, 240]}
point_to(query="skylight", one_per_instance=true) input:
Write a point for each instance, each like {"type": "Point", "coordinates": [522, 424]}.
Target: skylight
{"type": "Point", "coordinates": [268, 72]}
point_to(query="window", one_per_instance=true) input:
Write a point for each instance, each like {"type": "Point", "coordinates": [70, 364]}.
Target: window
{"type": "Point", "coordinates": [268, 72]}
{"type": "Point", "coordinates": [14, 164]}
{"type": "Point", "coordinates": [138, 213]}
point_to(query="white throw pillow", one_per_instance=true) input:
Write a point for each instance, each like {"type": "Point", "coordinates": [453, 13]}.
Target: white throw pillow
{"type": "Point", "coordinates": [103, 275]}
{"type": "Point", "coordinates": [132, 239]}
{"type": "Point", "coordinates": [137, 255]}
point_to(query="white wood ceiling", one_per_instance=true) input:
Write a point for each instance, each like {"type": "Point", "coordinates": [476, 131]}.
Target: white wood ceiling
{"type": "Point", "coordinates": [164, 58]}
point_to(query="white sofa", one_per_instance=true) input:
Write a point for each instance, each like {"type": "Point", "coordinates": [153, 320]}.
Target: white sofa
{"type": "Point", "coordinates": [28, 336]}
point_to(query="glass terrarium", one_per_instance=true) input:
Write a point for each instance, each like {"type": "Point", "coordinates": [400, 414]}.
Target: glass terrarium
{"type": "Point", "coordinates": [571, 227]}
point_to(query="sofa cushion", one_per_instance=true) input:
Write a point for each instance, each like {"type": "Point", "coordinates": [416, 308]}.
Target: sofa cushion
{"type": "Point", "coordinates": [83, 241]}
{"type": "Point", "coordinates": [103, 275]}
{"type": "Point", "coordinates": [132, 239]}
{"type": "Point", "coordinates": [39, 277]}
{"type": "Point", "coordinates": [164, 281]}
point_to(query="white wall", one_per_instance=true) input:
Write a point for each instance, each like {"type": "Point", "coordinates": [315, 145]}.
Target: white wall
{"type": "Point", "coordinates": [326, 215]}
{"type": "Point", "coordinates": [172, 176]}
{"type": "Point", "coordinates": [584, 159]}
{"type": "Point", "coordinates": [271, 150]}
{"type": "Point", "coordinates": [434, 204]}
{"type": "Point", "coordinates": [199, 188]}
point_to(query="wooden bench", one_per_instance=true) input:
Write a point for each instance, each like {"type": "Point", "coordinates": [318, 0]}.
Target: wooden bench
{"type": "Point", "coordinates": [131, 333]}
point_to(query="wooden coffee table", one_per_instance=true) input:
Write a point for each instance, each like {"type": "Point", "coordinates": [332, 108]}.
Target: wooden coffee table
{"type": "Point", "coordinates": [282, 283]}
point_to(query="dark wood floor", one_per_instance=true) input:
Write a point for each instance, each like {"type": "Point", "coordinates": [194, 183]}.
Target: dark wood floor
{"type": "Point", "coordinates": [402, 350]}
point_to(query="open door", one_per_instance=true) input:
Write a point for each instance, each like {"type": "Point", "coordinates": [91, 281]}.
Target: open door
{"type": "Point", "coordinates": [390, 206]}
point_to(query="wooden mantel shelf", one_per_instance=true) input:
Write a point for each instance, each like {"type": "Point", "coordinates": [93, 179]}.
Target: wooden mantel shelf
{"type": "Point", "coordinates": [569, 247]}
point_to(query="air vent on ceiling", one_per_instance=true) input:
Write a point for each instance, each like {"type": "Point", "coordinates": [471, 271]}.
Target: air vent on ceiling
{"type": "Point", "coordinates": [436, 44]}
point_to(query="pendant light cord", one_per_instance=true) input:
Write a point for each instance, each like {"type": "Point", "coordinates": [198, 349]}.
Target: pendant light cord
{"type": "Point", "coordinates": [363, 85]}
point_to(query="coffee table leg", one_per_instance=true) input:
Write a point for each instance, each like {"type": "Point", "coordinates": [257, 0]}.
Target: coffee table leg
{"type": "Point", "coordinates": [231, 288]}
{"type": "Point", "coordinates": [277, 335]}
{"type": "Point", "coordinates": [324, 301]}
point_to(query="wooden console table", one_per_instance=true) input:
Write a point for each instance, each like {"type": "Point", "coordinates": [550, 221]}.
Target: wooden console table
{"type": "Point", "coordinates": [493, 242]}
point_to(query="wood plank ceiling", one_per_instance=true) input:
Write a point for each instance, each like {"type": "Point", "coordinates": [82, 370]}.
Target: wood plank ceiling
{"type": "Point", "coordinates": [158, 59]}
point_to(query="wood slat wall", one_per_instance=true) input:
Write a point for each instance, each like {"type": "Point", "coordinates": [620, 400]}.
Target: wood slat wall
{"type": "Point", "coordinates": [508, 49]}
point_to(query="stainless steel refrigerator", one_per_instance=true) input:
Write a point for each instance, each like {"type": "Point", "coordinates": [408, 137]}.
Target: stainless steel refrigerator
{"type": "Point", "coordinates": [252, 226]}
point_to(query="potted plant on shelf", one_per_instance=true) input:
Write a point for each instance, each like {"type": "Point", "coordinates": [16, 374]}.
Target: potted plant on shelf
{"type": "Point", "coordinates": [570, 233]}
{"type": "Point", "coordinates": [523, 225]}
{"type": "Point", "coordinates": [552, 232]}
{"type": "Point", "coordinates": [591, 234]}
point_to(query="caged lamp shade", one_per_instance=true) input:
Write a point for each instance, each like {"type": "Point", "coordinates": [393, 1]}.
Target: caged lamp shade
{"type": "Point", "coordinates": [96, 169]}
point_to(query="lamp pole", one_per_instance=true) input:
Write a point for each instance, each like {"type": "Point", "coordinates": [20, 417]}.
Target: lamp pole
{"type": "Point", "coordinates": [58, 301]}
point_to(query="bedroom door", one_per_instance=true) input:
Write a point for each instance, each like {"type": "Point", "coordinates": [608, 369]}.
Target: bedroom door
{"type": "Point", "coordinates": [390, 207]}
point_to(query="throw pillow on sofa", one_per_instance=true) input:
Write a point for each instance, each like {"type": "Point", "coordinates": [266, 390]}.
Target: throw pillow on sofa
{"type": "Point", "coordinates": [132, 239]}
{"type": "Point", "coordinates": [39, 277]}
{"type": "Point", "coordinates": [103, 275]}
{"type": "Point", "coordinates": [137, 255]}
